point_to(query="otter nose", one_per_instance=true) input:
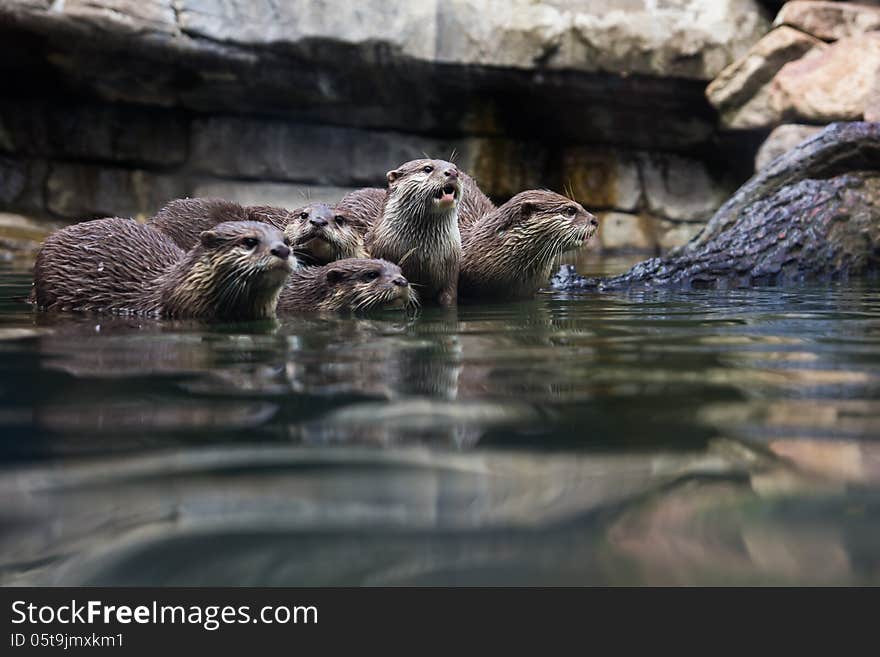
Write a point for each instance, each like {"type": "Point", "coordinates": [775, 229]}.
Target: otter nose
{"type": "Point", "coordinates": [594, 221]}
{"type": "Point", "coordinates": [400, 281]}
{"type": "Point", "coordinates": [451, 173]}
{"type": "Point", "coordinates": [318, 222]}
{"type": "Point", "coordinates": [281, 250]}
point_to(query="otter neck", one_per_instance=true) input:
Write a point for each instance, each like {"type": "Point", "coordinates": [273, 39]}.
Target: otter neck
{"type": "Point", "coordinates": [413, 232]}
{"type": "Point", "coordinates": [200, 286]}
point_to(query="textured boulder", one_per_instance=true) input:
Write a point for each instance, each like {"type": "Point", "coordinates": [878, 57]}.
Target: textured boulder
{"type": "Point", "coordinates": [782, 140]}
{"type": "Point", "coordinates": [831, 86]}
{"type": "Point", "coordinates": [811, 214]}
{"type": "Point", "coordinates": [601, 178]}
{"type": "Point", "coordinates": [741, 91]}
{"type": "Point", "coordinates": [678, 188]}
{"type": "Point", "coordinates": [829, 20]}
{"type": "Point", "coordinates": [480, 67]}
{"type": "Point", "coordinates": [622, 231]}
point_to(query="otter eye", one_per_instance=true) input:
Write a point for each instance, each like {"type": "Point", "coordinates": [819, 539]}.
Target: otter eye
{"type": "Point", "coordinates": [340, 220]}
{"type": "Point", "coordinates": [427, 169]}
{"type": "Point", "coordinates": [286, 241]}
{"type": "Point", "coordinates": [570, 211]}
{"type": "Point", "coordinates": [371, 276]}
{"type": "Point", "coordinates": [250, 242]}
{"type": "Point", "coordinates": [303, 215]}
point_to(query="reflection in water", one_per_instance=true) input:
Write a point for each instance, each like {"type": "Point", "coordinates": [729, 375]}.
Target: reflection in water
{"type": "Point", "coordinates": [687, 438]}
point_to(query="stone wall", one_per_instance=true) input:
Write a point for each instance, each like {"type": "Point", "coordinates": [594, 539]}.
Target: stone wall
{"type": "Point", "coordinates": [114, 107]}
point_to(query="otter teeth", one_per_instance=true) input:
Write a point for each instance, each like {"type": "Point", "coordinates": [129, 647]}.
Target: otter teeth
{"type": "Point", "coordinates": [446, 190]}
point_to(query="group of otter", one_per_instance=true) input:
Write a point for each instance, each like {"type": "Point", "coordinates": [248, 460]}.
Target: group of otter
{"type": "Point", "coordinates": [431, 229]}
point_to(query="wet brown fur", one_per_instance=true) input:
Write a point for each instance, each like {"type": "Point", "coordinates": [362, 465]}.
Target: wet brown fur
{"type": "Point", "coordinates": [346, 285]}
{"type": "Point", "coordinates": [366, 203]}
{"type": "Point", "coordinates": [183, 220]}
{"type": "Point", "coordinates": [123, 267]}
{"type": "Point", "coordinates": [510, 251]}
{"type": "Point", "coordinates": [418, 233]}
{"type": "Point", "coordinates": [321, 233]}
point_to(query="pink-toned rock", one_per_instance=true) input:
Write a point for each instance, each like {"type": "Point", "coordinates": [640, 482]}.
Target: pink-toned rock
{"type": "Point", "coordinates": [872, 106]}
{"type": "Point", "coordinates": [740, 81]}
{"type": "Point", "coordinates": [619, 231]}
{"type": "Point", "coordinates": [829, 20]}
{"type": "Point", "coordinates": [782, 140]}
{"type": "Point", "coordinates": [833, 85]}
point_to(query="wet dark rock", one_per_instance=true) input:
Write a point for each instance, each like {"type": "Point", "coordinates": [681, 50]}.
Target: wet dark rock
{"type": "Point", "coordinates": [811, 214]}
{"type": "Point", "coordinates": [135, 135]}
{"type": "Point", "coordinates": [78, 191]}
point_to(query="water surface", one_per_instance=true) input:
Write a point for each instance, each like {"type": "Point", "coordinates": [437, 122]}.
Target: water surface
{"type": "Point", "coordinates": [651, 438]}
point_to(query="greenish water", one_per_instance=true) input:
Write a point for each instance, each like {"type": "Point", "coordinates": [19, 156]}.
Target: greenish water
{"type": "Point", "coordinates": [652, 438]}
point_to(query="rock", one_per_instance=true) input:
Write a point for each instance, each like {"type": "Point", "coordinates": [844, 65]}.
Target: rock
{"type": "Point", "coordinates": [738, 92]}
{"type": "Point", "coordinates": [680, 188]}
{"type": "Point", "coordinates": [140, 17]}
{"type": "Point", "coordinates": [872, 103]}
{"type": "Point", "coordinates": [505, 167]}
{"type": "Point", "coordinates": [512, 67]}
{"type": "Point", "coordinates": [829, 20]}
{"type": "Point", "coordinates": [146, 136]}
{"type": "Point", "coordinates": [279, 194]}
{"type": "Point", "coordinates": [328, 155]}
{"type": "Point", "coordinates": [602, 178]}
{"type": "Point", "coordinates": [781, 140]}
{"type": "Point", "coordinates": [688, 38]}
{"type": "Point", "coordinates": [613, 35]}
{"type": "Point", "coordinates": [21, 236]}
{"type": "Point", "coordinates": [80, 191]}
{"type": "Point", "coordinates": [811, 214]}
{"type": "Point", "coordinates": [21, 184]}
{"type": "Point", "coordinates": [744, 77]}
{"type": "Point", "coordinates": [621, 231]}
{"type": "Point", "coordinates": [674, 234]}
{"type": "Point", "coordinates": [833, 85]}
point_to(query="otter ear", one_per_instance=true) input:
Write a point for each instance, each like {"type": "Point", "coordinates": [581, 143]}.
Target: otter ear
{"type": "Point", "coordinates": [526, 210]}
{"type": "Point", "coordinates": [209, 239]}
{"type": "Point", "coordinates": [334, 277]}
{"type": "Point", "coordinates": [392, 175]}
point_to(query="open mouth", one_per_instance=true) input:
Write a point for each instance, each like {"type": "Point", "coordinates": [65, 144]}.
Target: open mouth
{"type": "Point", "coordinates": [446, 195]}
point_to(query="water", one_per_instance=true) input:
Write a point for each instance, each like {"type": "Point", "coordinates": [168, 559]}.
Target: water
{"type": "Point", "coordinates": [654, 438]}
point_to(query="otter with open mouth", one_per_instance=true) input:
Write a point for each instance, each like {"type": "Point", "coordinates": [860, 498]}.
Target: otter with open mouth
{"type": "Point", "coordinates": [321, 234]}
{"type": "Point", "coordinates": [352, 285]}
{"type": "Point", "coordinates": [508, 254]}
{"type": "Point", "coordinates": [235, 272]}
{"type": "Point", "coordinates": [418, 227]}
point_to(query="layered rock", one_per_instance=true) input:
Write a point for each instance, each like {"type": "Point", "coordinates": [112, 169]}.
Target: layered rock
{"type": "Point", "coordinates": [820, 64]}
{"type": "Point", "coordinates": [742, 92]}
{"type": "Point", "coordinates": [833, 85]}
{"type": "Point", "coordinates": [114, 106]}
{"type": "Point", "coordinates": [829, 20]}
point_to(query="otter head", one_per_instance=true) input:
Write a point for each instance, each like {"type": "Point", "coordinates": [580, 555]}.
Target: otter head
{"type": "Point", "coordinates": [541, 225]}
{"type": "Point", "coordinates": [361, 284]}
{"type": "Point", "coordinates": [237, 271]}
{"type": "Point", "coordinates": [426, 186]}
{"type": "Point", "coordinates": [321, 234]}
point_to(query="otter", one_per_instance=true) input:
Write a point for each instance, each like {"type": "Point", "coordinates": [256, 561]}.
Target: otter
{"type": "Point", "coordinates": [418, 228]}
{"type": "Point", "coordinates": [366, 203]}
{"type": "Point", "coordinates": [321, 234]}
{"type": "Point", "coordinates": [183, 220]}
{"type": "Point", "coordinates": [235, 272]}
{"type": "Point", "coordinates": [352, 284]}
{"type": "Point", "coordinates": [509, 253]}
